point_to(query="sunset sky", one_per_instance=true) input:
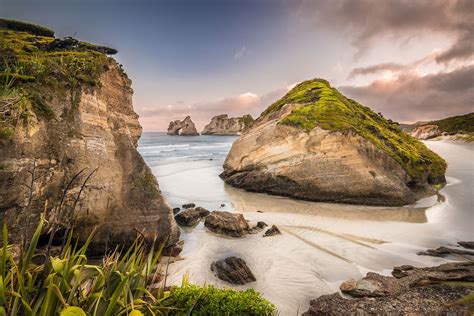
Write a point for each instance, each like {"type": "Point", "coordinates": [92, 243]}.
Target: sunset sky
{"type": "Point", "coordinates": [411, 60]}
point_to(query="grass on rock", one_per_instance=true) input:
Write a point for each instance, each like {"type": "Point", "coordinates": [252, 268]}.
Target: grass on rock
{"type": "Point", "coordinates": [324, 106]}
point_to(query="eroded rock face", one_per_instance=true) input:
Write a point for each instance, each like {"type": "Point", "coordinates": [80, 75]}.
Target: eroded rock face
{"type": "Point", "coordinates": [91, 140]}
{"type": "Point", "coordinates": [185, 127]}
{"type": "Point", "coordinates": [226, 223]}
{"type": "Point", "coordinates": [225, 125]}
{"type": "Point", "coordinates": [417, 291]}
{"type": "Point", "coordinates": [233, 270]}
{"type": "Point", "coordinates": [284, 156]}
{"type": "Point", "coordinates": [426, 132]}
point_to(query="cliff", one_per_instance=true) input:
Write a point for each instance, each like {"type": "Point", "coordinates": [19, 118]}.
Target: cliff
{"type": "Point", "coordinates": [457, 128]}
{"type": "Point", "coordinates": [68, 136]}
{"type": "Point", "coordinates": [318, 145]}
{"type": "Point", "coordinates": [185, 127]}
{"type": "Point", "coordinates": [223, 125]}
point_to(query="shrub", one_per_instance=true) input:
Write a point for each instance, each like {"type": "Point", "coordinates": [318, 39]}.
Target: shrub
{"type": "Point", "coordinates": [67, 284]}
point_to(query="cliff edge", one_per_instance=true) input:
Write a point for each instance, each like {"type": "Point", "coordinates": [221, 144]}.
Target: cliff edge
{"type": "Point", "coordinates": [68, 137]}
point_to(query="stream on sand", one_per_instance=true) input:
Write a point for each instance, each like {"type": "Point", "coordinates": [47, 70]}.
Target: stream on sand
{"type": "Point", "coordinates": [322, 244]}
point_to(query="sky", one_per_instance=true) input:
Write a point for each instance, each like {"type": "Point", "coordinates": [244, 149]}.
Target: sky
{"type": "Point", "coordinates": [412, 60]}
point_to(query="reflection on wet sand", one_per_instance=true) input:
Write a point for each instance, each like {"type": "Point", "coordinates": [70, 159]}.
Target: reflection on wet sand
{"type": "Point", "coordinates": [263, 203]}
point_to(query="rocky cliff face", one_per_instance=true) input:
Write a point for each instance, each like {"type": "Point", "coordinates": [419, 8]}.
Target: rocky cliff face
{"type": "Point", "coordinates": [426, 132]}
{"type": "Point", "coordinates": [76, 150]}
{"type": "Point", "coordinates": [315, 144]}
{"type": "Point", "coordinates": [223, 125]}
{"type": "Point", "coordinates": [185, 127]}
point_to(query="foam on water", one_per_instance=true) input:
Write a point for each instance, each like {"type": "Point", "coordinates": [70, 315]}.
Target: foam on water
{"type": "Point", "coordinates": [322, 244]}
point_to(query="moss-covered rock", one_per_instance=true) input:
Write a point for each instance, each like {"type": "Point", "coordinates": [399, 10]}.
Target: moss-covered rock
{"type": "Point", "coordinates": [312, 130]}
{"type": "Point", "coordinates": [326, 107]}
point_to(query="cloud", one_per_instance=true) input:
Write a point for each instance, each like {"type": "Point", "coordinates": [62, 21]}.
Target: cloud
{"type": "Point", "coordinates": [411, 97]}
{"type": "Point", "coordinates": [366, 21]}
{"type": "Point", "coordinates": [374, 69]}
{"type": "Point", "coordinates": [240, 53]}
{"type": "Point", "coordinates": [157, 117]}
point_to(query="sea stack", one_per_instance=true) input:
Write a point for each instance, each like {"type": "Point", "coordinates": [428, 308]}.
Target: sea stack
{"type": "Point", "coordinates": [75, 150]}
{"type": "Point", "coordinates": [316, 144]}
{"type": "Point", "coordinates": [225, 125]}
{"type": "Point", "coordinates": [185, 127]}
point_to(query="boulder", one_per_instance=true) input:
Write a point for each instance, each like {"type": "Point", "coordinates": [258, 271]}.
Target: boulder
{"type": "Point", "coordinates": [174, 250]}
{"type": "Point", "coordinates": [446, 251]}
{"type": "Point", "coordinates": [422, 291]}
{"type": "Point", "coordinates": [188, 205]}
{"type": "Point", "coordinates": [315, 144]}
{"type": "Point", "coordinates": [233, 270]}
{"type": "Point", "coordinates": [185, 127]}
{"type": "Point", "coordinates": [191, 216]}
{"type": "Point", "coordinates": [426, 132]}
{"type": "Point", "coordinates": [272, 231]}
{"type": "Point", "coordinates": [226, 223]}
{"type": "Point", "coordinates": [223, 125]}
{"type": "Point", "coordinates": [176, 210]}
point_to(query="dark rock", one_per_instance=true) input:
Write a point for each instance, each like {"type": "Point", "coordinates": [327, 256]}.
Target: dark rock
{"type": "Point", "coordinates": [233, 270]}
{"type": "Point", "coordinates": [423, 291]}
{"type": "Point", "coordinates": [226, 223]}
{"type": "Point", "coordinates": [191, 216]}
{"type": "Point", "coordinates": [72, 44]}
{"type": "Point", "coordinates": [402, 271]}
{"type": "Point", "coordinates": [188, 205]}
{"type": "Point", "coordinates": [202, 211]}
{"type": "Point", "coordinates": [445, 251]}
{"type": "Point", "coordinates": [222, 205]}
{"type": "Point", "coordinates": [272, 231]}
{"type": "Point", "coordinates": [176, 210]}
{"type": "Point", "coordinates": [261, 225]}
{"type": "Point", "coordinates": [174, 250]}
{"type": "Point", "coordinates": [466, 244]}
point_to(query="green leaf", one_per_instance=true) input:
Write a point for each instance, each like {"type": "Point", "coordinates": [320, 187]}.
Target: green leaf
{"type": "Point", "coordinates": [73, 311]}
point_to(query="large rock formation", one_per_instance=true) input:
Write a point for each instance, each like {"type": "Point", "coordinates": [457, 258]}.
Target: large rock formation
{"type": "Point", "coordinates": [185, 127]}
{"type": "Point", "coordinates": [315, 144]}
{"type": "Point", "coordinates": [76, 149]}
{"type": "Point", "coordinates": [441, 290]}
{"type": "Point", "coordinates": [223, 125]}
{"type": "Point", "coordinates": [454, 128]}
{"type": "Point", "coordinates": [426, 132]}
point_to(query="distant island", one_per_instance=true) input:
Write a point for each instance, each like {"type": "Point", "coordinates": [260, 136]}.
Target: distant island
{"type": "Point", "coordinates": [225, 125]}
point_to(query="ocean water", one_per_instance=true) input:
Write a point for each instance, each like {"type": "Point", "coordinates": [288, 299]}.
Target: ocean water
{"type": "Point", "coordinates": [322, 244]}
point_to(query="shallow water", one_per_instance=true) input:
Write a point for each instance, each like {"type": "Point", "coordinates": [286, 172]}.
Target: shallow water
{"type": "Point", "coordinates": [322, 244]}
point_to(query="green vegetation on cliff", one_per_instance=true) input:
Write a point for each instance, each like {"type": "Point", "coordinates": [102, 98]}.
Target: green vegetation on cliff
{"type": "Point", "coordinates": [462, 124]}
{"type": "Point", "coordinates": [324, 106]}
{"type": "Point", "coordinates": [35, 66]}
